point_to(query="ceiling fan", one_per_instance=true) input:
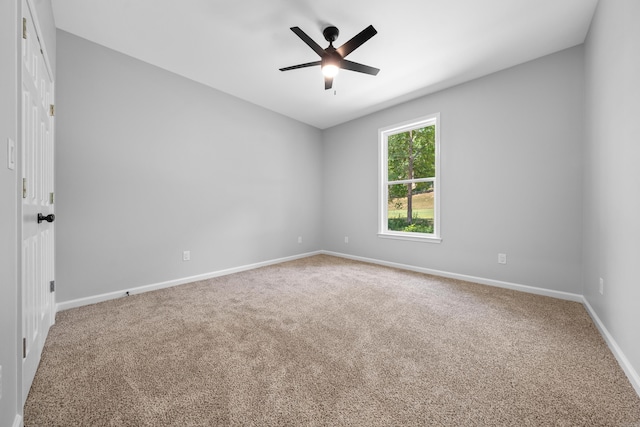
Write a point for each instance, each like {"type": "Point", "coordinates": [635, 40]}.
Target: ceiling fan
{"type": "Point", "coordinates": [332, 59]}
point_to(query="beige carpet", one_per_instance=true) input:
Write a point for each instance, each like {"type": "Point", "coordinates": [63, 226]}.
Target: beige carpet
{"type": "Point", "coordinates": [325, 341]}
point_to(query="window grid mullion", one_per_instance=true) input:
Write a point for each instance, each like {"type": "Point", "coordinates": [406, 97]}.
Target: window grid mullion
{"type": "Point", "coordinates": [411, 181]}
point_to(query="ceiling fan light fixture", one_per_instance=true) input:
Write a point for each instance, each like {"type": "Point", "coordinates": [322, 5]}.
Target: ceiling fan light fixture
{"type": "Point", "coordinates": [330, 70]}
{"type": "Point", "coordinates": [330, 64]}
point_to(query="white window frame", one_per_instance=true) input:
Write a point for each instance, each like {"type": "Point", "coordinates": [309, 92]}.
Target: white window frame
{"type": "Point", "coordinates": [383, 183]}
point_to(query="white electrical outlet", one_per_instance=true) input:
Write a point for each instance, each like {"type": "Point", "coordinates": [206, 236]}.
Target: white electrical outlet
{"type": "Point", "coordinates": [346, 239]}
{"type": "Point", "coordinates": [186, 255]}
{"type": "Point", "coordinates": [502, 258]}
{"type": "Point", "coordinates": [299, 239]}
{"type": "Point", "coordinates": [601, 286]}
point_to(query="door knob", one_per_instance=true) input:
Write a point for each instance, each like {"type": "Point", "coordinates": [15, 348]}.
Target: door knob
{"type": "Point", "coordinates": [48, 218]}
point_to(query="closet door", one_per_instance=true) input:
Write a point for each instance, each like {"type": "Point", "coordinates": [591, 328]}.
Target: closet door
{"type": "Point", "coordinates": [38, 308]}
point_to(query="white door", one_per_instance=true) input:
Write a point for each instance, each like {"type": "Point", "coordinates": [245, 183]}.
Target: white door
{"type": "Point", "coordinates": [37, 200]}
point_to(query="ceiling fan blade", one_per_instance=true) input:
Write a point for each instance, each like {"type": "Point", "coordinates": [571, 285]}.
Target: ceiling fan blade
{"type": "Point", "coordinates": [308, 40]}
{"type": "Point", "coordinates": [356, 41]}
{"type": "Point", "coordinates": [360, 68]}
{"type": "Point", "coordinates": [328, 82]}
{"type": "Point", "coordinates": [295, 67]}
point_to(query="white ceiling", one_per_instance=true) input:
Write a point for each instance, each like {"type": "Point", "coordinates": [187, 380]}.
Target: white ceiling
{"type": "Point", "coordinates": [238, 46]}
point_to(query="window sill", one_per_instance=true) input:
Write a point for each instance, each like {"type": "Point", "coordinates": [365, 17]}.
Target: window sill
{"type": "Point", "coordinates": [415, 237]}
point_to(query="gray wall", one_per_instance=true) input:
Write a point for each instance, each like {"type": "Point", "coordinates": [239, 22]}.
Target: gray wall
{"type": "Point", "coordinates": [150, 164]}
{"type": "Point", "coordinates": [510, 177]}
{"type": "Point", "coordinates": [611, 232]}
{"type": "Point", "coordinates": [9, 405]}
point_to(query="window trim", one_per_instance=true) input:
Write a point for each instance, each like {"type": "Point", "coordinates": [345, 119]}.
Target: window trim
{"type": "Point", "coordinates": [383, 180]}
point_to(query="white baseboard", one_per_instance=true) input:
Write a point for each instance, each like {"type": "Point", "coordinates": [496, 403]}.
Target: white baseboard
{"type": "Point", "coordinates": [17, 421]}
{"type": "Point", "coordinates": [624, 363]}
{"type": "Point", "coordinates": [507, 285]}
{"type": "Point", "coordinates": [65, 305]}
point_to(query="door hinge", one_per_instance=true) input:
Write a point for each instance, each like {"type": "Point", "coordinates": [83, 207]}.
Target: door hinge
{"type": "Point", "coordinates": [51, 198]}
{"type": "Point", "coordinates": [24, 188]}
{"type": "Point", "coordinates": [52, 110]}
{"type": "Point", "coordinates": [24, 28]}
{"type": "Point", "coordinates": [52, 286]}
{"type": "Point", "coordinates": [24, 347]}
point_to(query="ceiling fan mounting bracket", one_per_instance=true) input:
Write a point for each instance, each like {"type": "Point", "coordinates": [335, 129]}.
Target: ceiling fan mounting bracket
{"type": "Point", "coordinates": [330, 33]}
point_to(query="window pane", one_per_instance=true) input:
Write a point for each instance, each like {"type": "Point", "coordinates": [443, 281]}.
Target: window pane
{"type": "Point", "coordinates": [412, 154]}
{"type": "Point", "coordinates": [410, 207]}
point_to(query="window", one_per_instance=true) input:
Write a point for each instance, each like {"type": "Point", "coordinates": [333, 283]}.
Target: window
{"type": "Point", "coordinates": [409, 180]}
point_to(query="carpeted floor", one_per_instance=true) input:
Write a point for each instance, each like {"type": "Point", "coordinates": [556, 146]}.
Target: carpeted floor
{"type": "Point", "coordinates": [324, 341]}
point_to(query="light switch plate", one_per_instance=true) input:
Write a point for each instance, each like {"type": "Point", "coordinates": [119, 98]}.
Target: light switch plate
{"type": "Point", "coordinates": [11, 154]}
